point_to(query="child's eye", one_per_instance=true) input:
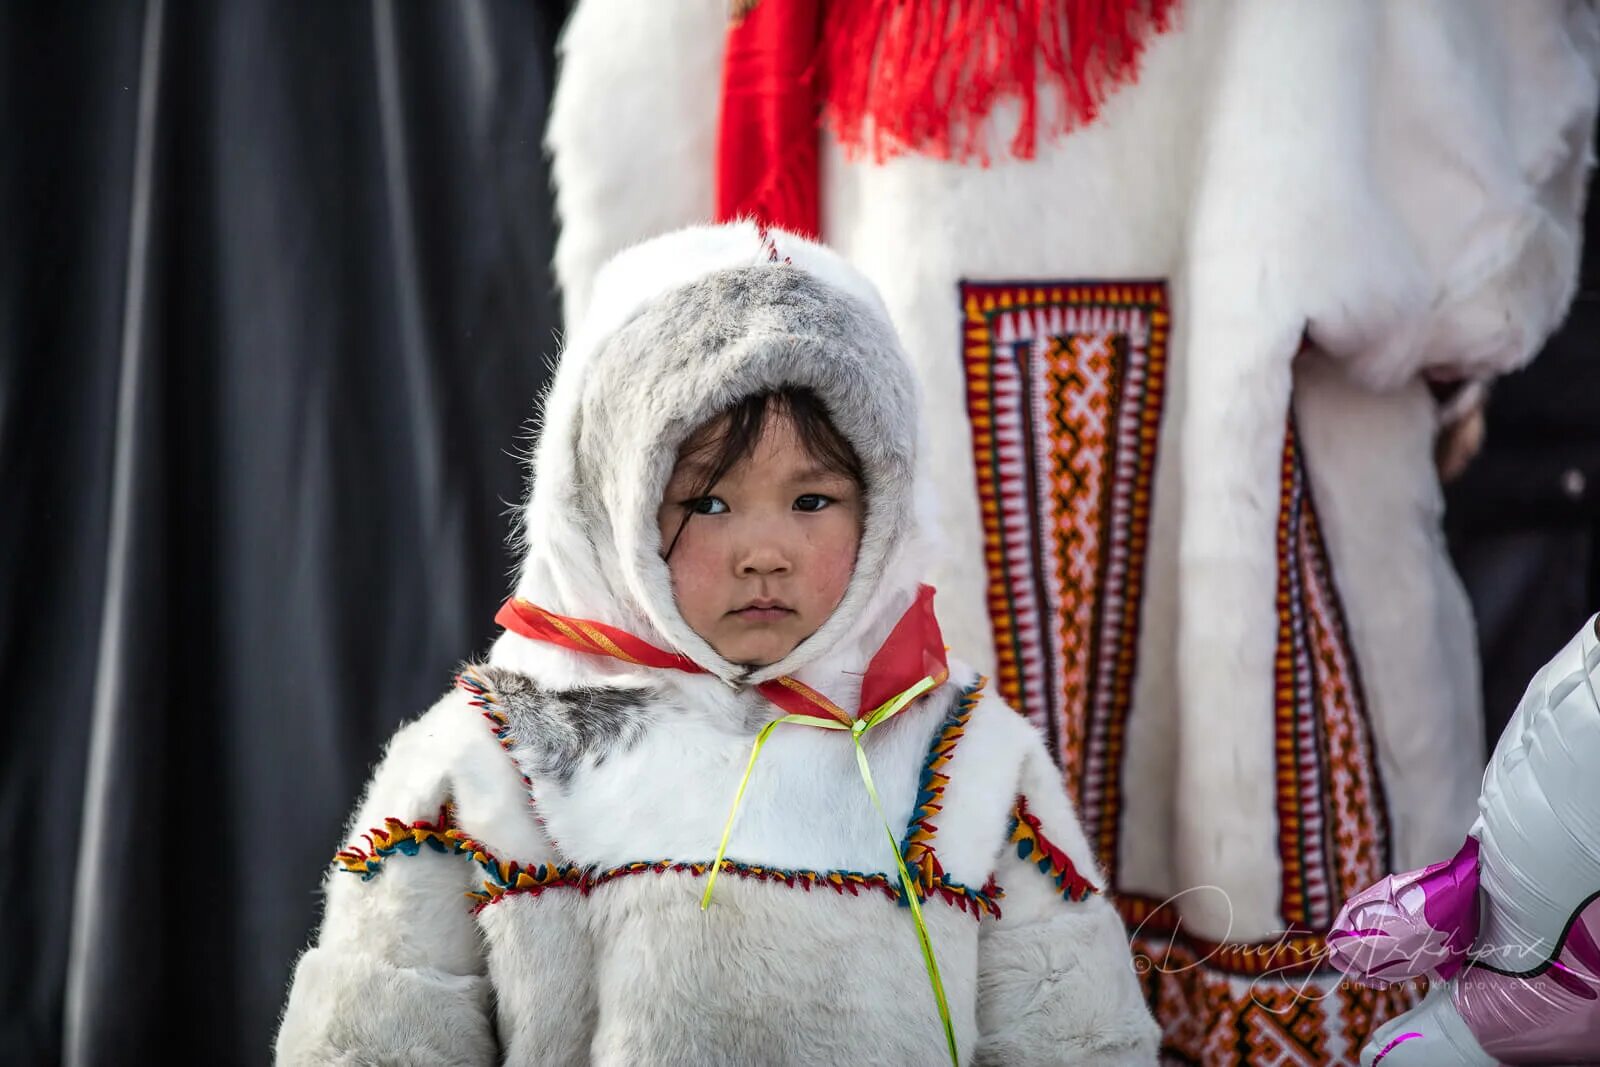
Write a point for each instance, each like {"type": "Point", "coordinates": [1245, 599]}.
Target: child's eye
{"type": "Point", "coordinates": [812, 502]}
{"type": "Point", "coordinates": [706, 505]}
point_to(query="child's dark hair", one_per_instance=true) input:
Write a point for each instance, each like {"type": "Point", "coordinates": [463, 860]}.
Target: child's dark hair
{"type": "Point", "coordinates": [730, 438]}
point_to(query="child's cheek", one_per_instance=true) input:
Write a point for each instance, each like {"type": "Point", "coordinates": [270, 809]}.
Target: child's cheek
{"type": "Point", "coordinates": [834, 561]}
{"type": "Point", "coordinates": [694, 588]}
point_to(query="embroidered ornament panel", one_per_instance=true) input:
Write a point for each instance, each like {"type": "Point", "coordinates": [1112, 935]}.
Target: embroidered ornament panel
{"type": "Point", "coordinates": [1065, 391]}
{"type": "Point", "coordinates": [1065, 382]}
{"type": "Point", "coordinates": [1274, 1017]}
{"type": "Point", "coordinates": [1333, 826]}
{"type": "Point", "coordinates": [1279, 1001]}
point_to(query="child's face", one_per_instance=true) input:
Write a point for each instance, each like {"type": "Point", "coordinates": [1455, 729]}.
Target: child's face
{"type": "Point", "coordinates": [769, 549]}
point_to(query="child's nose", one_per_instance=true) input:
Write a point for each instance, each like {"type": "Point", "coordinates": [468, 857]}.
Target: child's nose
{"type": "Point", "coordinates": [765, 559]}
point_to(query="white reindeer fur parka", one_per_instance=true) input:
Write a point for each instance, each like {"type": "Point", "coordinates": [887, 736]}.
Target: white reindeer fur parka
{"type": "Point", "coordinates": [524, 873]}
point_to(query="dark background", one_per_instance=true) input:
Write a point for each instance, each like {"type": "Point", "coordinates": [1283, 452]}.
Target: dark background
{"type": "Point", "coordinates": [274, 311]}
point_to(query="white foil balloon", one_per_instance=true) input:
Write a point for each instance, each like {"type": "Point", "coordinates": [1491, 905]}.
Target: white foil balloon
{"type": "Point", "coordinates": [1527, 989]}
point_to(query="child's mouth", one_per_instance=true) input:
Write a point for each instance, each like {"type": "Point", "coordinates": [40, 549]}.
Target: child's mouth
{"type": "Point", "coordinates": [763, 611]}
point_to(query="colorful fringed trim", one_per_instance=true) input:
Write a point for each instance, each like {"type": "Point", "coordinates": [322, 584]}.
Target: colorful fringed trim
{"type": "Point", "coordinates": [515, 881]}
{"type": "Point", "coordinates": [917, 846]}
{"type": "Point", "coordinates": [507, 878]}
{"type": "Point", "coordinates": [976, 902]}
{"type": "Point", "coordinates": [484, 699]}
{"type": "Point", "coordinates": [443, 836]}
{"type": "Point", "coordinates": [406, 838]}
{"type": "Point", "coordinates": [1034, 847]}
{"type": "Point", "coordinates": [841, 882]}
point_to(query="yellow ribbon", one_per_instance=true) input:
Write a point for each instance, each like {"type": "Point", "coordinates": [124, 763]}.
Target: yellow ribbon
{"type": "Point", "coordinates": [883, 713]}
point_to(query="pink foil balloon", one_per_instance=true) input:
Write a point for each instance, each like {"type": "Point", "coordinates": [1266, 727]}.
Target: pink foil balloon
{"type": "Point", "coordinates": [1411, 924]}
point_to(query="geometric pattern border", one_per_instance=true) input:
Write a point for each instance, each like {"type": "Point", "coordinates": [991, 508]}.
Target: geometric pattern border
{"type": "Point", "coordinates": [1278, 1018]}
{"type": "Point", "coordinates": [1064, 388]}
{"type": "Point", "coordinates": [1333, 825]}
{"type": "Point", "coordinates": [1065, 385]}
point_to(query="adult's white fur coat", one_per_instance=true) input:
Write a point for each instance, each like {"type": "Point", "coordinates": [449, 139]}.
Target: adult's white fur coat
{"type": "Point", "coordinates": [1395, 184]}
{"type": "Point", "coordinates": [579, 798]}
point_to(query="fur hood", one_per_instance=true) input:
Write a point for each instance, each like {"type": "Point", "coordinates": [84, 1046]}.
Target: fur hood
{"type": "Point", "coordinates": [681, 328]}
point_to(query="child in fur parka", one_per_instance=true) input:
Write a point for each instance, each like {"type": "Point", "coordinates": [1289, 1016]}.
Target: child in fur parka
{"type": "Point", "coordinates": [719, 647]}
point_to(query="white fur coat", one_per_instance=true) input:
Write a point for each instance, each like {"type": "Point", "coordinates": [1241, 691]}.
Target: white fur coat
{"type": "Point", "coordinates": [523, 875]}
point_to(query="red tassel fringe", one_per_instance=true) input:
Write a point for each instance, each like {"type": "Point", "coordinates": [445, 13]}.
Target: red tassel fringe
{"type": "Point", "coordinates": [922, 75]}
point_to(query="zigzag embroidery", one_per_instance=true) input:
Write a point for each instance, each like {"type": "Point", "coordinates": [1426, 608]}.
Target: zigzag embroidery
{"type": "Point", "coordinates": [406, 838]}
{"type": "Point", "coordinates": [483, 698]}
{"type": "Point", "coordinates": [512, 879]}
{"type": "Point", "coordinates": [508, 878]}
{"type": "Point", "coordinates": [1034, 847]}
{"type": "Point", "coordinates": [917, 845]}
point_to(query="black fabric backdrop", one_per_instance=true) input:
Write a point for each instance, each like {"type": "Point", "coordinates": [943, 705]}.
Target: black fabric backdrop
{"type": "Point", "coordinates": [274, 310]}
{"type": "Point", "coordinates": [274, 307]}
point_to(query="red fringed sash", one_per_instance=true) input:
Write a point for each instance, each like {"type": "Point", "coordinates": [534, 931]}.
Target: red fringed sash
{"type": "Point", "coordinates": [896, 76]}
{"type": "Point", "coordinates": [913, 650]}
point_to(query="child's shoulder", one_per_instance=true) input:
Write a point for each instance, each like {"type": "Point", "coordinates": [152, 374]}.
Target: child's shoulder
{"type": "Point", "coordinates": [461, 725]}
{"type": "Point", "coordinates": [984, 752]}
{"type": "Point", "coordinates": [995, 740]}
{"type": "Point", "coordinates": [980, 761]}
{"type": "Point", "coordinates": [449, 769]}
{"type": "Point", "coordinates": [1000, 774]}
{"type": "Point", "coordinates": [452, 751]}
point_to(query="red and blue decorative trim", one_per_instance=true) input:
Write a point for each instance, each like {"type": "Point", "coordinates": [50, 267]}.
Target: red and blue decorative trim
{"type": "Point", "coordinates": [917, 845]}
{"type": "Point", "coordinates": [1034, 847]}
{"type": "Point", "coordinates": [395, 836]}
{"type": "Point", "coordinates": [513, 880]}
{"type": "Point", "coordinates": [483, 698]}
{"type": "Point", "coordinates": [509, 878]}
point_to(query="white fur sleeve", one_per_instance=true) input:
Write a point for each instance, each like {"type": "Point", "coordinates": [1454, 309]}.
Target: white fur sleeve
{"type": "Point", "coordinates": [633, 129]}
{"type": "Point", "coordinates": [1055, 975]}
{"type": "Point", "coordinates": [1483, 126]}
{"type": "Point", "coordinates": [1441, 155]}
{"type": "Point", "coordinates": [397, 972]}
